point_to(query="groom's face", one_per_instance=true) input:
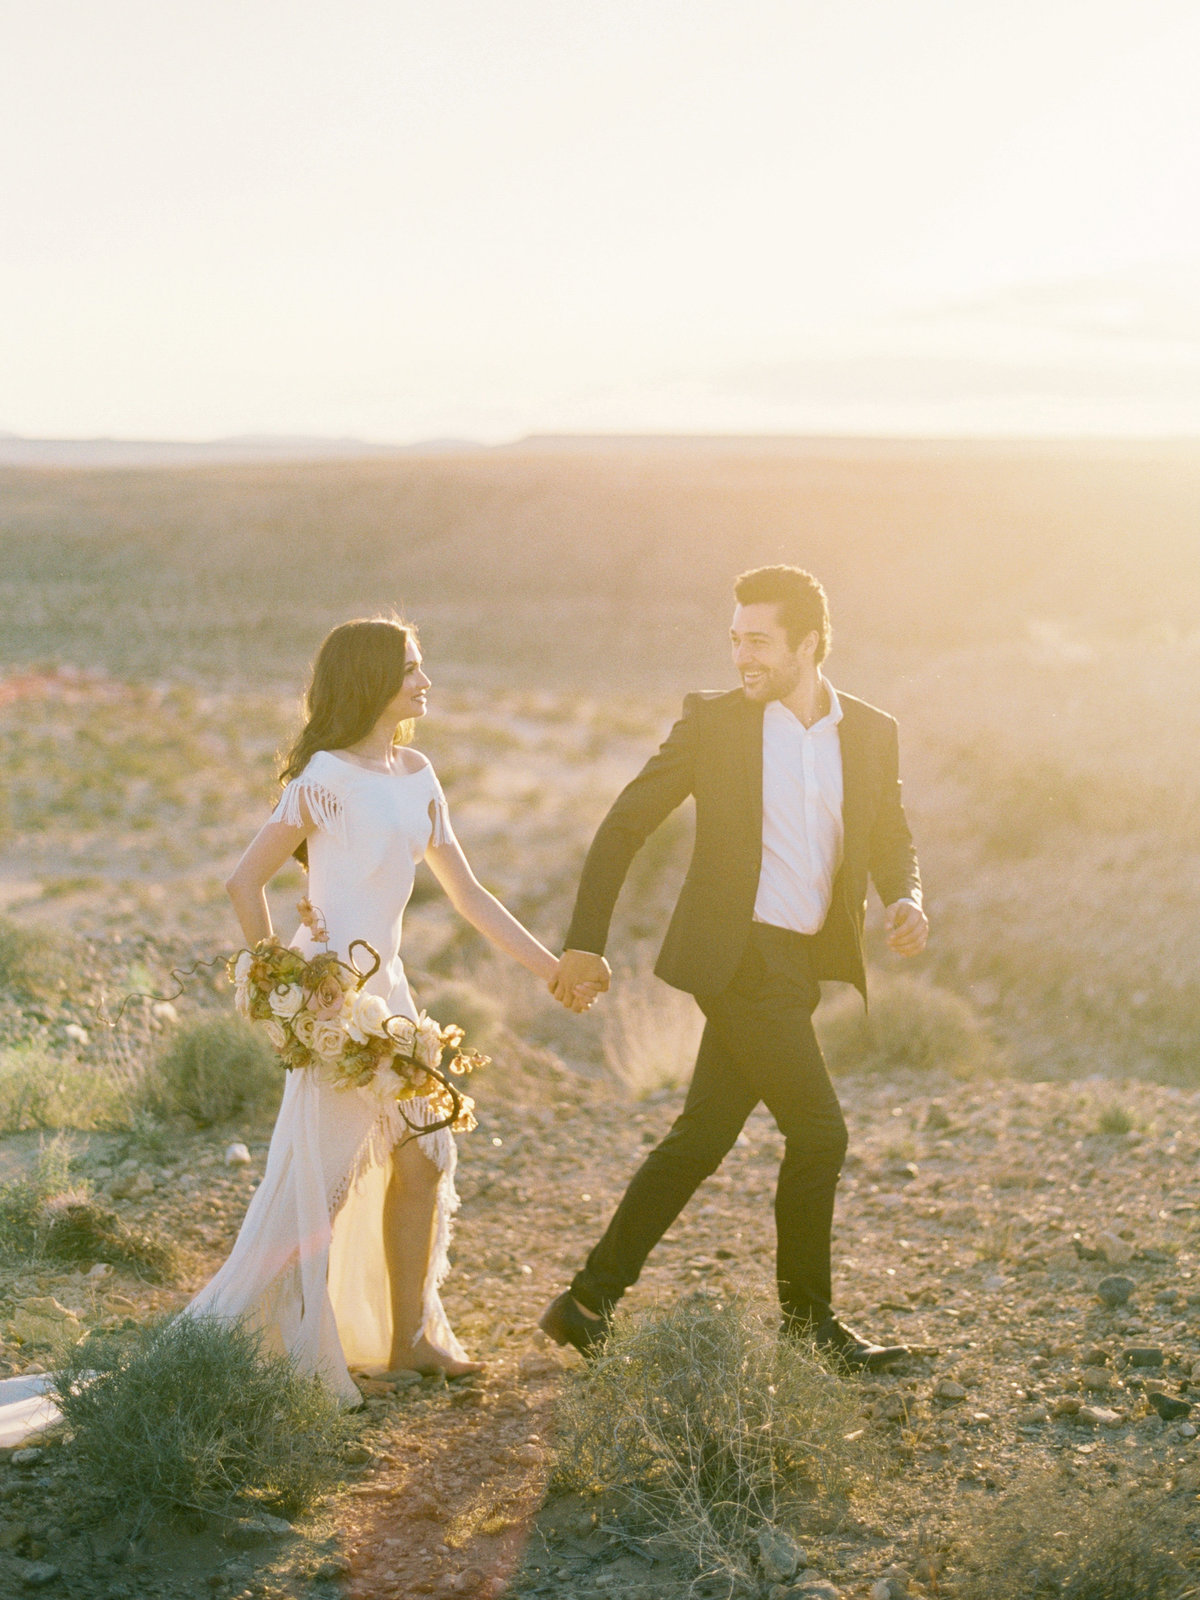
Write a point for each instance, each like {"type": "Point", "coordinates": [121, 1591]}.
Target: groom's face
{"type": "Point", "coordinates": [766, 663]}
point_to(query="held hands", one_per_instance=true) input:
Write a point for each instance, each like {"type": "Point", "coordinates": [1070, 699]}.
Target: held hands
{"type": "Point", "coordinates": [581, 976]}
{"type": "Point", "coordinates": [907, 928]}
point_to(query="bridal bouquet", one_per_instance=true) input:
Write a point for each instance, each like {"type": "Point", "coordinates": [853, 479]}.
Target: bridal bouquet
{"type": "Point", "coordinates": [317, 1013]}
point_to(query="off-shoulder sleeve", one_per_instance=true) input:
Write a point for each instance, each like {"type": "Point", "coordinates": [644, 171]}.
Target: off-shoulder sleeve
{"type": "Point", "coordinates": [439, 813]}
{"type": "Point", "coordinates": [320, 799]}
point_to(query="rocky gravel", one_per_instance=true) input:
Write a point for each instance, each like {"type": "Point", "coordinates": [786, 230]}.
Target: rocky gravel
{"type": "Point", "coordinates": [982, 1224]}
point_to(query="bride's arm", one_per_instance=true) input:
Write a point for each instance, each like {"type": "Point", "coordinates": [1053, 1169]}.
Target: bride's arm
{"type": "Point", "coordinates": [246, 885]}
{"type": "Point", "coordinates": [483, 911]}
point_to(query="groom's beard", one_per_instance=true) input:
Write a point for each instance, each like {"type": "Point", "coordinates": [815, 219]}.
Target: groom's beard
{"type": "Point", "coordinates": [776, 684]}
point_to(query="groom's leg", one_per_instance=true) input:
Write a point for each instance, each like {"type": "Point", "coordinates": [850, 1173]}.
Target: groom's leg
{"type": "Point", "coordinates": [769, 1026]}
{"type": "Point", "coordinates": [718, 1103]}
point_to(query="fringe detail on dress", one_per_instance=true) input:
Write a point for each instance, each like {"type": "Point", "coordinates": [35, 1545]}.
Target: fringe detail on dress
{"type": "Point", "coordinates": [439, 815]}
{"type": "Point", "coordinates": [387, 1131]}
{"type": "Point", "coordinates": [324, 807]}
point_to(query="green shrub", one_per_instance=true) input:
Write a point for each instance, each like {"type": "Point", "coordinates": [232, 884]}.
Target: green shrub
{"type": "Point", "coordinates": [34, 965]}
{"type": "Point", "coordinates": [39, 1089]}
{"type": "Point", "coordinates": [1053, 1537]}
{"type": "Point", "coordinates": [45, 1214]}
{"type": "Point", "coordinates": [480, 1015]}
{"type": "Point", "coordinates": [191, 1416]}
{"type": "Point", "coordinates": [708, 1426]}
{"type": "Point", "coordinates": [910, 1024]}
{"type": "Point", "coordinates": [212, 1071]}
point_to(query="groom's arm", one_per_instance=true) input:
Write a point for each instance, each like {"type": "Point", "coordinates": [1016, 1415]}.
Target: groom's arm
{"type": "Point", "coordinates": [893, 857]}
{"type": "Point", "coordinates": [663, 784]}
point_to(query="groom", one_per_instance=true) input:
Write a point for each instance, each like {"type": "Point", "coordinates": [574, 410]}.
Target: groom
{"type": "Point", "coordinates": [797, 795]}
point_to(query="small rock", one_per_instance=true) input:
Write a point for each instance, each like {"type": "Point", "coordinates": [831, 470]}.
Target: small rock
{"type": "Point", "coordinates": [1168, 1407]}
{"type": "Point", "coordinates": [1187, 1430]}
{"type": "Point", "coordinates": [246, 1532]}
{"type": "Point", "coordinates": [1099, 1416]}
{"type": "Point", "coordinates": [132, 1186]}
{"type": "Point", "coordinates": [74, 1032]}
{"type": "Point", "coordinates": [537, 1364]}
{"type": "Point", "coordinates": [29, 1457]}
{"type": "Point", "coordinates": [1033, 1417]}
{"type": "Point", "coordinates": [335, 1566]}
{"type": "Point", "coordinates": [100, 1270]}
{"type": "Point", "coordinates": [1116, 1251]}
{"type": "Point", "coordinates": [949, 1392]}
{"type": "Point", "coordinates": [356, 1455]}
{"type": "Point", "coordinates": [164, 1011]}
{"type": "Point", "coordinates": [892, 1587]}
{"type": "Point", "coordinates": [812, 1585]}
{"type": "Point", "coordinates": [1142, 1356]}
{"type": "Point", "coordinates": [1115, 1291]}
{"type": "Point", "coordinates": [237, 1155]}
{"type": "Point", "coordinates": [779, 1556]}
{"type": "Point", "coordinates": [1096, 1379]}
{"type": "Point", "coordinates": [35, 1574]}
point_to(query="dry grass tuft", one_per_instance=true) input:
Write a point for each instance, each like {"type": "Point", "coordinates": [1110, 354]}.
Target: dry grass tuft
{"type": "Point", "coordinates": [649, 1034]}
{"type": "Point", "coordinates": [710, 1428]}
{"type": "Point", "coordinates": [911, 1024]}
{"type": "Point", "coordinates": [191, 1417]}
{"type": "Point", "coordinates": [212, 1071]}
{"type": "Point", "coordinates": [1052, 1539]}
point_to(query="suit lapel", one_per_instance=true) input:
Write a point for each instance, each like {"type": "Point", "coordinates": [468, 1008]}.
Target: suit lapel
{"type": "Point", "coordinates": [750, 720]}
{"type": "Point", "coordinates": [856, 787]}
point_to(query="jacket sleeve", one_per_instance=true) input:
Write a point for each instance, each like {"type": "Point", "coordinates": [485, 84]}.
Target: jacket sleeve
{"type": "Point", "coordinates": [663, 784]}
{"type": "Point", "coordinates": [893, 858]}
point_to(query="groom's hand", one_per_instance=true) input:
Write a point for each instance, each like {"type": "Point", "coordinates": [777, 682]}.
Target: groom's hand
{"type": "Point", "coordinates": [580, 973]}
{"type": "Point", "coordinates": [907, 927]}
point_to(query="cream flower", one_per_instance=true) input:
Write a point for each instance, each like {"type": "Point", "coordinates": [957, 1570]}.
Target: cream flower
{"type": "Point", "coordinates": [304, 1026]}
{"type": "Point", "coordinates": [286, 999]}
{"type": "Point", "coordinates": [428, 1049]}
{"type": "Point", "coordinates": [241, 1000]}
{"type": "Point", "coordinates": [368, 1014]}
{"type": "Point", "coordinates": [403, 1034]}
{"type": "Point", "coordinates": [241, 971]}
{"type": "Point", "coordinates": [329, 1039]}
{"type": "Point", "coordinates": [327, 999]}
{"type": "Point", "coordinates": [274, 1032]}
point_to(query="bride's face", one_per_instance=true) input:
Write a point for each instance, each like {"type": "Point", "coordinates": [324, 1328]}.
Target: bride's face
{"type": "Point", "coordinates": [410, 701]}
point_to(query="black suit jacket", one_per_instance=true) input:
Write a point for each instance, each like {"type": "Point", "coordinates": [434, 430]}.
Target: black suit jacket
{"type": "Point", "coordinates": [714, 752]}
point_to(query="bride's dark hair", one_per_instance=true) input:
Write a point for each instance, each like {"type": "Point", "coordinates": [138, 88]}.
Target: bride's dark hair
{"type": "Point", "coordinates": [359, 668]}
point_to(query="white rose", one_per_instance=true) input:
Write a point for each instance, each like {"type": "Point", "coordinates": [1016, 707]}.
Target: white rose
{"type": "Point", "coordinates": [241, 1000]}
{"type": "Point", "coordinates": [241, 971]}
{"type": "Point", "coordinates": [368, 1014]}
{"type": "Point", "coordinates": [428, 1049]}
{"type": "Point", "coordinates": [403, 1034]}
{"type": "Point", "coordinates": [286, 999]}
{"type": "Point", "coordinates": [329, 1040]}
{"type": "Point", "coordinates": [304, 1025]}
{"type": "Point", "coordinates": [274, 1032]}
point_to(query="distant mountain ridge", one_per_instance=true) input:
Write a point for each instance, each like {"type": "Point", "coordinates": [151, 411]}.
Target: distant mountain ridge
{"type": "Point", "coordinates": [16, 451]}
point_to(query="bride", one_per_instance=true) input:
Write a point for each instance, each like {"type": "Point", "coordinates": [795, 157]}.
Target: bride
{"type": "Point", "coordinates": [344, 1245]}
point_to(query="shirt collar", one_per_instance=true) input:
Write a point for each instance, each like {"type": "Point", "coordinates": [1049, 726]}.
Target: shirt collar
{"type": "Point", "coordinates": [775, 709]}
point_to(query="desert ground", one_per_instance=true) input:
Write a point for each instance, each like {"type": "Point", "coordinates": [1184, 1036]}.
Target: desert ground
{"type": "Point", "coordinates": [1024, 1100]}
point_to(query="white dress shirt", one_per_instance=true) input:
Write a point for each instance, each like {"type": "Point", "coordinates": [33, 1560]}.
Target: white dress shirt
{"type": "Point", "coordinates": [802, 832]}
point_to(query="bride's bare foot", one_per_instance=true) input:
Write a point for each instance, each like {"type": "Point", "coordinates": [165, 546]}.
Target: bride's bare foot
{"type": "Point", "coordinates": [426, 1358]}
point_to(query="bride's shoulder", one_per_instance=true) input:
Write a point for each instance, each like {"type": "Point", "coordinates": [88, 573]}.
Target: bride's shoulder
{"type": "Point", "coordinates": [410, 760]}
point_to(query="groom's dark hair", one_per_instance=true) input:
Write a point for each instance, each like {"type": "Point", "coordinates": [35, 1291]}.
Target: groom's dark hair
{"type": "Point", "coordinates": [803, 607]}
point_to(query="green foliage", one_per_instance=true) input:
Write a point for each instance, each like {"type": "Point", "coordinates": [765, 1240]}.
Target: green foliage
{"type": "Point", "coordinates": [708, 1426]}
{"type": "Point", "coordinates": [1114, 1119]}
{"type": "Point", "coordinates": [1053, 1539]}
{"type": "Point", "coordinates": [911, 1024]}
{"type": "Point", "coordinates": [47, 1215]}
{"type": "Point", "coordinates": [191, 1416]}
{"type": "Point", "coordinates": [34, 965]}
{"type": "Point", "coordinates": [212, 1071]}
{"type": "Point", "coordinates": [39, 1089]}
{"type": "Point", "coordinates": [479, 1014]}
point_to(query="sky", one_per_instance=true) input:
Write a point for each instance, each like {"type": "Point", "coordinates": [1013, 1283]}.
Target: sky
{"type": "Point", "coordinates": [488, 218]}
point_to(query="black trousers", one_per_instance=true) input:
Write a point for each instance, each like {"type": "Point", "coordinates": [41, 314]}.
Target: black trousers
{"type": "Point", "coordinates": [758, 1044]}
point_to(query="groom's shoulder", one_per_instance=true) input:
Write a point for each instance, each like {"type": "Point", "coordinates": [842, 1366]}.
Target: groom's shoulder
{"type": "Point", "coordinates": [713, 703]}
{"type": "Point", "coordinates": [863, 714]}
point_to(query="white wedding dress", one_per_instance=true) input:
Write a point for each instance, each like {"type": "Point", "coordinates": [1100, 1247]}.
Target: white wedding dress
{"type": "Point", "coordinates": [308, 1269]}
